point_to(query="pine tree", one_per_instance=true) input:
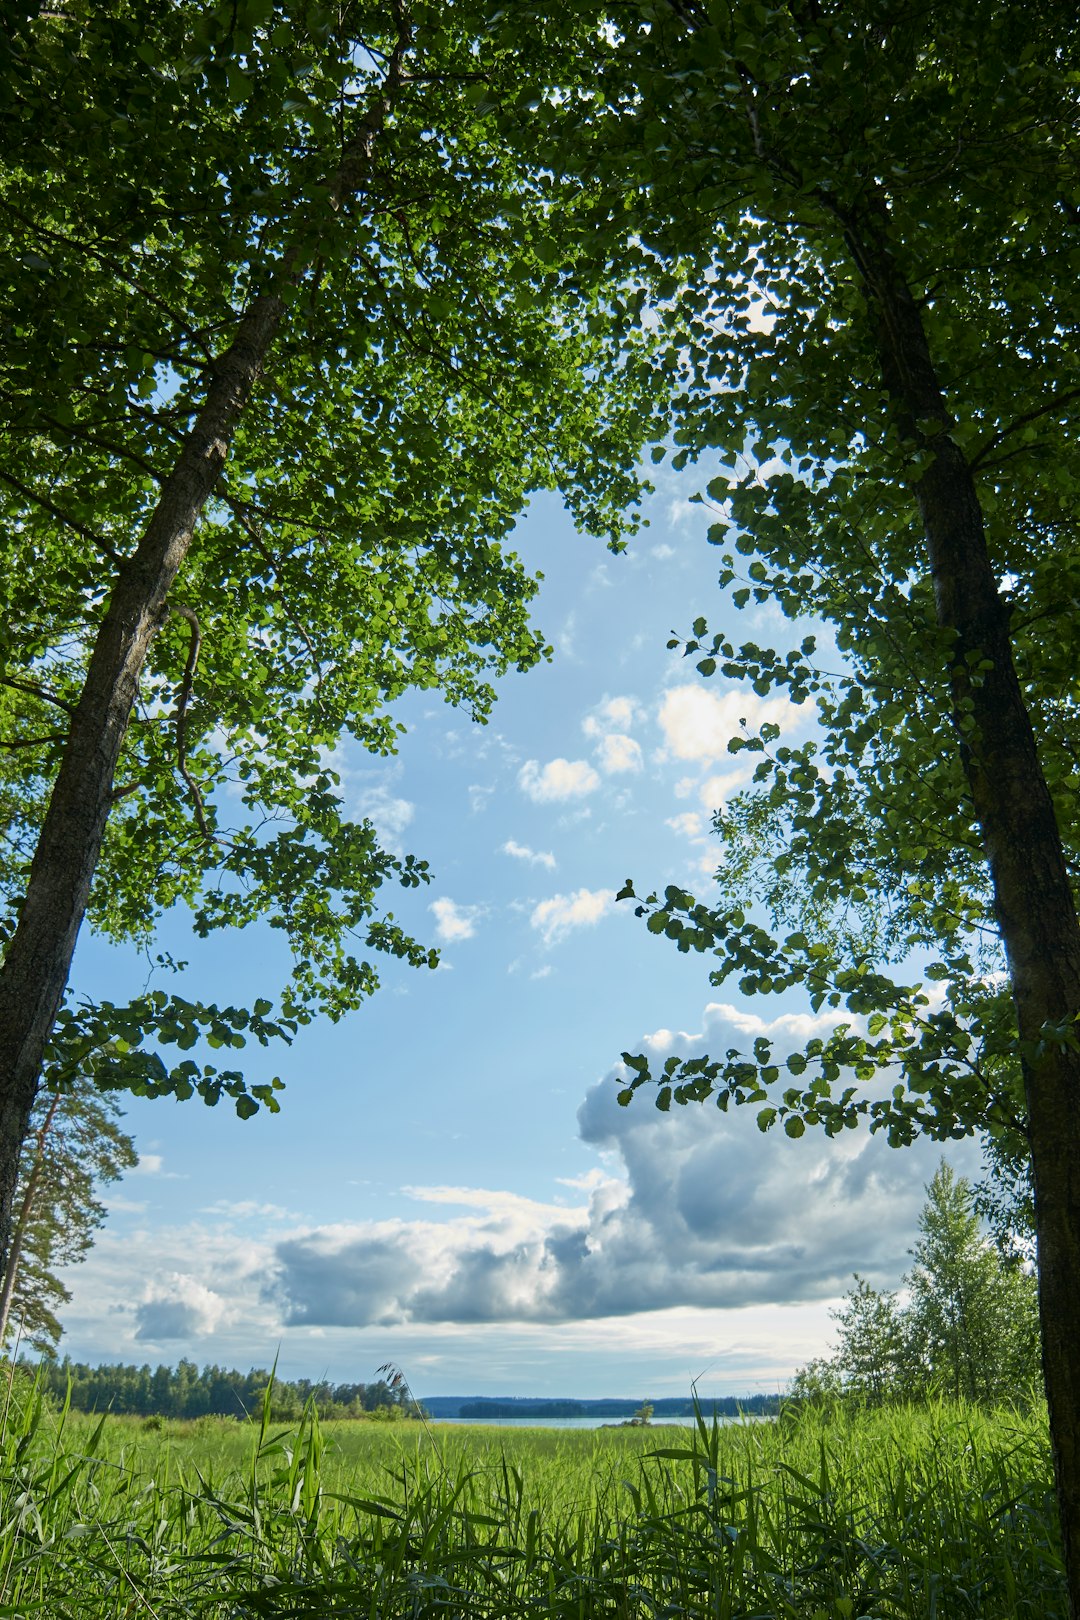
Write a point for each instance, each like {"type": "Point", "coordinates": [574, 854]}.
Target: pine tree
{"type": "Point", "coordinates": [75, 1145]}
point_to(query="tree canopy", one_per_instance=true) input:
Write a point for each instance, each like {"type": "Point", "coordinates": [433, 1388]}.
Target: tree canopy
{"type": "Point", "coordinates": [863, 224]}
{"type": "Point", "coordinates": [292, 327]}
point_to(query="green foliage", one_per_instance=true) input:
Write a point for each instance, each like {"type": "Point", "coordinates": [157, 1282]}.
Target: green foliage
{"type": "Point", "coordinates": [946, 1510]}
{"type": "Point", "coordinates": [967, 1327]}
{"type": "Point", "coordinates": [972, 1318]}
{"type": "Point", "coordinates": [75, 1147]}
{"type": "Point", "coordinates": [442, 354]}
{"type": "Point", "coordinates": [185, 1392]}
{"type": "Point", "coordinates": [761, 153]}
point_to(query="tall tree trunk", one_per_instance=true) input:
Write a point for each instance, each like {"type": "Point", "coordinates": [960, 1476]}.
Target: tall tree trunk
{"type": "Point", "coordinates": [22, 1220]}
{"type": "Point", "coordinates": [38, 960]}
{"type": "Point", "coordinates": [1032, 895]}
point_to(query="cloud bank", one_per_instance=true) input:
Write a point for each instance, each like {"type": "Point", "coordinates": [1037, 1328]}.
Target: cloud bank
{"type": "Point", "coordinates": [699, 1210]}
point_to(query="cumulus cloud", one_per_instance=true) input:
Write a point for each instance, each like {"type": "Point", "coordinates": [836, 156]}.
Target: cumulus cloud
{"type": "Point", "coordinates": [149, 1164]}
{"type": "Point", "coordinates": [698, 723]}
{"type": "Point", "coordinates": [617, 753]}
{"type": "Point", "coordinates": [717, 790]}
{"type": "Point", "coordinates": [389, 814]}
{"type": "Point", "coordinates": [557, 780]}
{"type": "Point", "coordinates": [153, 1164]}
{"type": "Point", "coordinates": [688, 824]}
{"type": "Point", "coordinates": [704, 1212]}
{"type": "Point", "coordinates": [179, 1307]}
{"type": "Point", "coordinates": [609, 723]}
{"type": "Point", "coordinates": [454, 922]}
{"type": "Point", "coordinates": [522, 852]}
{"type": "Point", "coordinates": [557, 917]}
{"type": "Point", "coordinates": [613, 714]}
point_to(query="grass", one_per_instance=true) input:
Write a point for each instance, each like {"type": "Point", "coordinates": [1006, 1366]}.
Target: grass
{"type": "Point", "coordinates": [927, 1514]}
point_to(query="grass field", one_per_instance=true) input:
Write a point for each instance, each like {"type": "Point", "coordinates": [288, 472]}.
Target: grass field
{"type": "Point", "coordinates": [930, 1513]}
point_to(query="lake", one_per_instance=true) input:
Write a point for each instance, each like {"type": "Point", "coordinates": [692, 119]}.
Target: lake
{"type": "Point", "coordinates": [567, 1422]}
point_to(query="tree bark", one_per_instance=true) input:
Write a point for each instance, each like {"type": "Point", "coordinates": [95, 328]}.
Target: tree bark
{"type": "Point", "coordinates": [1033, 897]}
{"type": "Point", "coordinates": [38, 960]}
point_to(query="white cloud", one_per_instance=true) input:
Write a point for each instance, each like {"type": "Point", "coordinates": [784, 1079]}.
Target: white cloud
{"type": "Point", "coordinates": [618, 753]}
{"type": "Point", "coordinates": [687, 825]}
{"type": "Point", "coordinates": [698, 723]}
{"type": "Point", "coordinates": [717, 790]}
{"type": "Point", "coordinates": [559, 779]}
{"type": "Point", "coordinates": [522, 852]}
{"type": "Point", "coordinates": [555, 918]}
{"type": "Point", "coordinates": [680, 512]}
{"type": "Point", "coordinates": [153, 1164]}
{"type": "Point", "coordinates": [696, 1241]}
{"type": "Point", "coordinates": [247, 1209]}
{"type": "Point", "coordinates": [609, 723]}
{"type": "Point", "coordinates": [454, 922]}
{"type": "Point", "coordinates": [179, 1307]}
{"type": "Point", "coordinates": [388, 814]}
{"type": "Point", "coordinates": [704, 1213]}
{"type": "Point", "coordinates": [613, 714]}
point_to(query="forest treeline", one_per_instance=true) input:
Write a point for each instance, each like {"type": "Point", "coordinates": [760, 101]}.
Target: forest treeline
{"type": "Point", "coordinates": [186, 1392]}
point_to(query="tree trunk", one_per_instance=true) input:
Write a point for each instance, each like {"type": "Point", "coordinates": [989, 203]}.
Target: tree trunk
{"type": "Point", "coordinates": [1032, 895]}
{"type": "Point", "coordinates": [18, 1234]}
{"type": "Point", "coordinates": [38, 960]}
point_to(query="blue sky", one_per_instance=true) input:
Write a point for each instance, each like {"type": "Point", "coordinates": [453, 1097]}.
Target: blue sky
{"type": "Point", "coordinates": [450, 1184]}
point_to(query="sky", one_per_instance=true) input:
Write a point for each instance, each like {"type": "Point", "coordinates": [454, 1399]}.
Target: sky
{"type": "Point", "coordinates": [451, 1185]}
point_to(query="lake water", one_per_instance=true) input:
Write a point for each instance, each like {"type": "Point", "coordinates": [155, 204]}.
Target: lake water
{"type": "Point", "coordinates": [567, 1422]}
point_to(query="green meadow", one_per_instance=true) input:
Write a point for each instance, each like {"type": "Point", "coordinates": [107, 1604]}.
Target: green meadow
{"type": "Point", "coordinates": [938, 1511]}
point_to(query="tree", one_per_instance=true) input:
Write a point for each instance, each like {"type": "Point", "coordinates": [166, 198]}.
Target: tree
{"type": "Point", "coordinates": [968, 1325]}
{"type": "Point", "coordinates": [290, 334]}
{"type": "Point", "coordinates": [863, 222]}
{"type": "Point", "coordinates": [872, 1361]}
{"type": "Point", "coordinates": [74, 1146]}
{"type": "Point", "coordinates": [971, 1320]}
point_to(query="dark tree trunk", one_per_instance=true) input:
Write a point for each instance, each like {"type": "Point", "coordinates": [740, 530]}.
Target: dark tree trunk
{"type": "Point", "coordinates": [38, 960]}
{"type": "Point", "coordinates": [1032, 894]}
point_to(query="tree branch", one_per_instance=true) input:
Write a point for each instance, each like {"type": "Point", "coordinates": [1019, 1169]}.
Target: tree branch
{"type": "Point", "coordinates": [1033, 415]}
{"type": "Point", "coordinates": [95, 539]}
{"type": "Point", "coordinates": [37, 691]}
{"type": "Point", "coordinates": [189, 615]}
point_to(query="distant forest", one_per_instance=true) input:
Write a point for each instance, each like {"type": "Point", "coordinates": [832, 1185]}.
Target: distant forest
{"type": "Point", "coordinates": [185, 1392]}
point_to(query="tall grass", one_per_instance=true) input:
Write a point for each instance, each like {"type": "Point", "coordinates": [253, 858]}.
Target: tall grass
{"type": "Point", "coordinates": [911, 1515]}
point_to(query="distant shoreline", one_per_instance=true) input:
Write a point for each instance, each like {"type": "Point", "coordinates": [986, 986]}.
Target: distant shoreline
{"type": "Point", "coordinates": [522, 1408]}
